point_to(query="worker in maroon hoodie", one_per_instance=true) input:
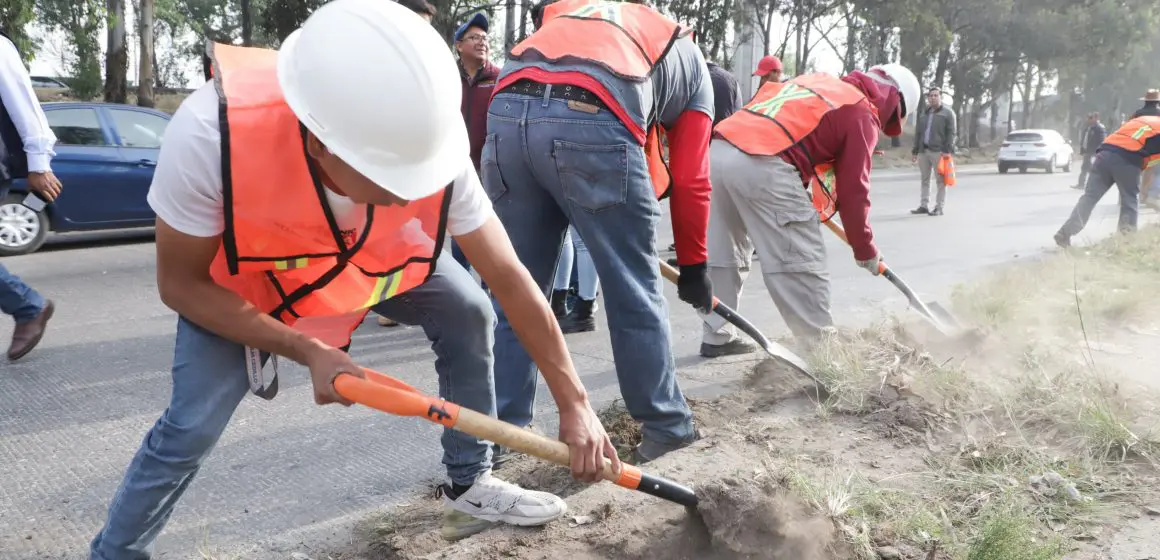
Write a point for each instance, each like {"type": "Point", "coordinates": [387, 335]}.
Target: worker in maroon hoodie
{"type": "Point", "coordinates": [797, 154]}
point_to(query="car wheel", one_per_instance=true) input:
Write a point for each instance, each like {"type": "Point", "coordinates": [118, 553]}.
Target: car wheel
{"type": "Point", "coordinates": [1002, 168]}
{"type": "Point", "coordinates": [1023, 169]}
{"type": "Point", "coordinates": [1050, 167]}
{"type": "Point", "coordinates": [22, 231]}
{"type": "Point", "coordinates": [1067, 166]}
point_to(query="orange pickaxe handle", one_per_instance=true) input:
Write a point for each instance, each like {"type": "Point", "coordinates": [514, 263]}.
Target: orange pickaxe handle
{"type": "Point", "coordinates": [385, 393]}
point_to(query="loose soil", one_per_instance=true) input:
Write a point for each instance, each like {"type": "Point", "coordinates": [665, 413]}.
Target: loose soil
{"type": "Point", "coordinates": [1036, 442]}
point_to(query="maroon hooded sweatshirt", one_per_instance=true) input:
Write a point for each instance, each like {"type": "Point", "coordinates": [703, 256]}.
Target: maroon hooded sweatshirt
{"type": "Point", "coordinates": [847, 136]}
{"type": "Point", "coordinates": [476, 96]}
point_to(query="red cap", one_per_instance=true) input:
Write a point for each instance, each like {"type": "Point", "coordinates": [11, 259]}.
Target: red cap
{"type": "Point", "coordinates": [767, 65]}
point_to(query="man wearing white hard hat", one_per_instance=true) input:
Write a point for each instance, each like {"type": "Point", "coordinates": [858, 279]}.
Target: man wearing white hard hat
{"type": "Point", "coordinates": [296, 192]}
{"type": "Point", "coordinates": [798, 153]}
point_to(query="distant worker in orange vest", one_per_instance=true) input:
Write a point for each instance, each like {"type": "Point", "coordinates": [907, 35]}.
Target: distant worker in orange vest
{"type": "Point", "coordinates": [575, 137]}
{"type": "Point", "coordinates": [799, 152]}
{"type": "Point", "coordinates": [1126, 154]}
{"type": "Point", "coordinates": [285, 214]}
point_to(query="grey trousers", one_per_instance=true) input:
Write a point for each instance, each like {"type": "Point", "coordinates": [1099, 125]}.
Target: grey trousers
{"type": "Point", "coordinates": [760, 202]}
{"type": "Point", "coordinates": [1084, 169]}
{"type": "Point", "coordinates": [927, 162]}
{"type": "Point", "coordinates": [1108, 168]}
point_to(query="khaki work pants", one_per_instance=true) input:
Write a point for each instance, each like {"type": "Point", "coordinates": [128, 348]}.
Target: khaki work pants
{"type": "Point", "coordinates": [759, 202]}
{"type": "Point", "coordinates": [927, 165]}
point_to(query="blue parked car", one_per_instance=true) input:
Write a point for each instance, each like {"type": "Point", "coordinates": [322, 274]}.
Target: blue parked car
{"type": "Point", "coordinates": [105, 157]}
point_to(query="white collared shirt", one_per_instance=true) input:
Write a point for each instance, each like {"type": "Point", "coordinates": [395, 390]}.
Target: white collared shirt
{"type": "Point", "coordinates": [24, 109]}
{"type": "Point", "coordinates": [187, 184]}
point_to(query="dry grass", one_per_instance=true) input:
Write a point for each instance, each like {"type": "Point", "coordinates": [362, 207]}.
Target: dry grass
{"type": "Point", "coordinates": [1036, 447]}
{"type": "Point", "coordinates": [622, 429]}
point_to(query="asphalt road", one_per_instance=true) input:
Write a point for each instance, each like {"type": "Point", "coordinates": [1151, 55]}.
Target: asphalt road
{"type": "Point", "coordinates": [73, 412]}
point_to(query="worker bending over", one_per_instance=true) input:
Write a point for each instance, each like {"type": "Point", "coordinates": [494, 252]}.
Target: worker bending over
{"type": "Point", "coordinates": [798, 152]}
{"type": "Point", "coordinates": [567, 129]}
{"type": "Point", "coordinates": [285, 214]}
{"type": "Point", "coordinates": [1126, 154]}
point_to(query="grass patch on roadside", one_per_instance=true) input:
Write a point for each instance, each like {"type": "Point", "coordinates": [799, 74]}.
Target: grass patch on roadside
{"type": "Point", "coordinates": [1030, 448]}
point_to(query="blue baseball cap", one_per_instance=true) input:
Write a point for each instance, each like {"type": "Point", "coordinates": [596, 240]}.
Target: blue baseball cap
{"type": "Point", "coordinates": [478, 20]}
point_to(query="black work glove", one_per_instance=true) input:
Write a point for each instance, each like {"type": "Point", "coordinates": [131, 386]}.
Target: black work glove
{"type": "Point", "coordinates": [694, 287]}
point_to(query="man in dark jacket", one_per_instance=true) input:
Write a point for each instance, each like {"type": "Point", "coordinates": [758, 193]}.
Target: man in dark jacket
{"type": "Point", "coordinates": [726, 92]}
{"type": "Point", "coordinates": [1151, 106]}
{"type": "Point", "coordinates": [1093, 136]}
{"type": "Point", "coordinates": [934, 137]}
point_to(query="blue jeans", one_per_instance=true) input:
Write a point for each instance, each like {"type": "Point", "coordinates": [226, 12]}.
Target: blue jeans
{"type": "Point", "coordinates": [575, 252]}
{"type": "Point", "coordinates": [209, 380]}
{"type": "Point", "coordinates": [546, 166]}
{"type": "Point", "coordinates": [17, 298]}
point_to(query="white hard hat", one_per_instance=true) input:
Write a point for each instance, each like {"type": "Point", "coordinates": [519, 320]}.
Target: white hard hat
{"type": "Point", "coordinates": [379, 87]}
{"type": "Point", "coordinates": [907, 84]}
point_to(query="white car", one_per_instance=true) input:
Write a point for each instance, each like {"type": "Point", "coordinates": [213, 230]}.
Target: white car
{"type": "Point", "coordinates": [1034, 147]}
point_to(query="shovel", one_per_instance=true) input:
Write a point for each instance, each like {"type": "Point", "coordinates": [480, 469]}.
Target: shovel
{"type": "Point", "coordinates": [777, 351]}
{"type": "Point", "coordinates": [935, 314]}
{"type": "Point", "coordinates": [385, 393]}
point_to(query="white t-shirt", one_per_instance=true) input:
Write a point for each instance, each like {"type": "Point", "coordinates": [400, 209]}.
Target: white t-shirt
{"type": "Point", "coordinates": [187, 183]}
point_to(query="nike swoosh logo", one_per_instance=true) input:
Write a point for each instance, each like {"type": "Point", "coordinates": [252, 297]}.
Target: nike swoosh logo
{"type": "Point", "coordinates": [476, 504]}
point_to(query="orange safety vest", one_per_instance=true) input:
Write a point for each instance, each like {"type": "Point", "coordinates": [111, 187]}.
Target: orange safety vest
{"type": "Point", "coordinates": [628, 40]}
{"type": "Point", "coordinates": [1134, 134]}
{"type": "Point", "coordinates": [282, 249]}
{"type": "Point", "coordinates": [781, 114]}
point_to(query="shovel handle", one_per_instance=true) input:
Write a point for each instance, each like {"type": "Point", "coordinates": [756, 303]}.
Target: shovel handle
{"type": "Point", "coordinates": [882, 268]}
{"type": "Point", "coordinates": [902, 286]}
{"type": "Point", "coordinates": [387, 394]}
{"type": "Point", "coordinates": [725, 312]}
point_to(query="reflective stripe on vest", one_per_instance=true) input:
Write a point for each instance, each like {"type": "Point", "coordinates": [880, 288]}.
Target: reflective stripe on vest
{"type": "Point", "coordinates": [781, 114]}
{"type": "Point", "coordinates": [1134, 135]}
{"type": "Point", "coordinates": [282, 249]}
{"type": "Point", "coordinates": [628, 40]}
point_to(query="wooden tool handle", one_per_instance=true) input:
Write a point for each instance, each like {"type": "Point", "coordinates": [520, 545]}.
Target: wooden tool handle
{"type": "Point", "coordinates": [671, 274]}
{"type": "Point", "coordinates": [390, 395]}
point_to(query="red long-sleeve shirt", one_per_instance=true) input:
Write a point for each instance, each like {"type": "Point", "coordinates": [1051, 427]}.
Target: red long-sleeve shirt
{"type": "Point", "coordinates": [847, 137]}
{"type": "Point", "coordinates": [688, 142]}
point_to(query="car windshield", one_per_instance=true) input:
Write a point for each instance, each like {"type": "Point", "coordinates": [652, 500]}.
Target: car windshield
{"type": "Point", "coordinates": [1025, 137]}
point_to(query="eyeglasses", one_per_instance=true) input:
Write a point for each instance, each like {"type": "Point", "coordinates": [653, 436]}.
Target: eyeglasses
{"type": "Point", "coordinates": [475, 38]}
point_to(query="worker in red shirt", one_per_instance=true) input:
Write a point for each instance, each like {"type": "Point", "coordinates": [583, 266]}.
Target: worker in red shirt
{"type": "Point", "coordinates": [768, 70]}
{"type": "Point", "coordinates": [573, 137]}
{"type": "Point", "coordinates": [796, 154]}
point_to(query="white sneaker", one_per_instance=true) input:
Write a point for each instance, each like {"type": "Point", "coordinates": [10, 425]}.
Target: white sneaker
{"type": "Point", "coordinates": [493, 500]}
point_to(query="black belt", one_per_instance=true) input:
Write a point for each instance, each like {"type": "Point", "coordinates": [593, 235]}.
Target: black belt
{"type": "Point", "coordinates": [560, 91]}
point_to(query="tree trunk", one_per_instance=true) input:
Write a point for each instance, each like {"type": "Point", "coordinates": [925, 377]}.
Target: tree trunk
{"type": "Point", "coordinates": [525, 15]}
{"type": "Point", "coordinates": [509, 27]}
{"type": "Point", "coordinates": [116, 54]}
{"type": "Point", "coordinates": [247, 9]}
{"type": "Point", "coordinates": [145, 67]}
{"type": "Point", "coordinates": [1027, 94]}
{"type": "Point", "coordinates": [851, 59]}
{"type": "Point", "coordinates": [940, 68]}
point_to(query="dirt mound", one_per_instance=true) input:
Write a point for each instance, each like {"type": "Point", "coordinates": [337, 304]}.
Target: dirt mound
{"type": "Point", "coordinates": [759, 522]}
